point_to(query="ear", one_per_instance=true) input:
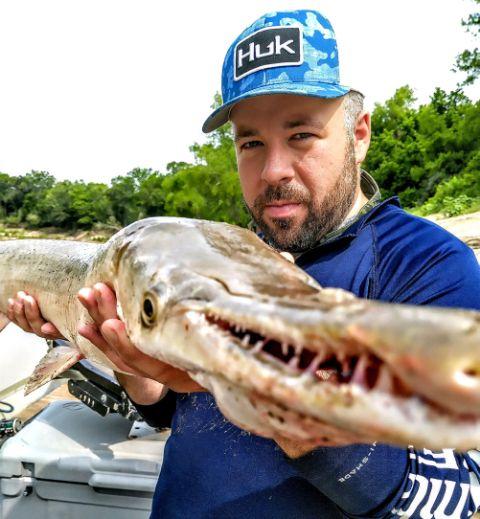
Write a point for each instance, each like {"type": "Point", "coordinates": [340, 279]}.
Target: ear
{"type": "Point", "coordinates": [361, 135]}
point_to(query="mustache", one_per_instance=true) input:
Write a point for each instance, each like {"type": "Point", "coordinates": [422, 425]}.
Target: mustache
{"type": "Point", "coordinates": [281, 192]}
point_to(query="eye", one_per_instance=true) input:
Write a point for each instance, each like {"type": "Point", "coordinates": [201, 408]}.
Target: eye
{"type": "Point", "coordinates": [301, 136]}
{"type": "Point", "coordinates": [250, 144]}
{"type": "Point", "coordinates": [149, 310]}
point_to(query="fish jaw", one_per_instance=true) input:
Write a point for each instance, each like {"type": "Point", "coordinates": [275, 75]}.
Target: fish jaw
{"type": "Point", "coordinates": [259, 394]}
{"type": "Point", "coordinates": [436, 352]}
{"type": "Point", "coordinates": [190, 295]}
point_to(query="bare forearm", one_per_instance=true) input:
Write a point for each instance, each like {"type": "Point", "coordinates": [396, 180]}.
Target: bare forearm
{"type": "Point", "coordinates": [144, 391]}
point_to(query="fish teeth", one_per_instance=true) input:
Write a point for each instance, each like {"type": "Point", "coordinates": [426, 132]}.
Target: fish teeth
{"type": "Point", "coordinates": [359, 372]}
{"type": "Point", "coordinates": [285, 348]}
{"type": "Point", "coordinates": [313, 367]}
{"type": "Point", "coordinates": [293, 362]}
{"type": "Point", "coordinates": [258, 347]}
{"type": "Point", "coordinates": [246, 340]}
{"type": "Point", "coordinates": [385, 380]}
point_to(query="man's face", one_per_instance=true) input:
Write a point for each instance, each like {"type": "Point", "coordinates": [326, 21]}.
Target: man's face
{"type": "Point", "coordinates": [297, 167]}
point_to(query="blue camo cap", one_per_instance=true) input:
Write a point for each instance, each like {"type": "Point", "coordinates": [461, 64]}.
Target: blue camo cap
{"type": "Point", "coordinates": [289, 52]}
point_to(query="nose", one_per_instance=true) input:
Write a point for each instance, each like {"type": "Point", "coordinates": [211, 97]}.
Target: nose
{"type": "Point", "coordinates": [278, 167]}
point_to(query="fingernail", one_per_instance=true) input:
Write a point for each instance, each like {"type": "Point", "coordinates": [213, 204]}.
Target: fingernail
{"type": "Point", "coordinates": [82, 330]}
{"type": "Point", "coordinates": [46, 329]}
{"type": "Point", "coordinates": [98, 294]}
{"type": "Point", "coordinates": [10, 301]}
{"type": "Point", "coordinates": [84, 292]}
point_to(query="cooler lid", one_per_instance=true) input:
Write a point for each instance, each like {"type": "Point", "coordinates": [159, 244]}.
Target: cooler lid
{"type": "Point", "coordinates": [69, 442]}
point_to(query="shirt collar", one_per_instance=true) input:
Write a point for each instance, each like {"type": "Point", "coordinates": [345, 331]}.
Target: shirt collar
{"type": "Point", "coordinates": [372, 192]}
{"type": "Point", "coordinates": [351, 227]}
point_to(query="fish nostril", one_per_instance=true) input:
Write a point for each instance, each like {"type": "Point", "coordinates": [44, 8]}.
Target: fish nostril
{"type": "Point", "coordinates": [468, 377]}
{"type": "Point", "coordinates": [472, 372]}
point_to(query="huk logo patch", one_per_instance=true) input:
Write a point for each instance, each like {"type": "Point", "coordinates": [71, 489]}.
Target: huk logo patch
{"type": "Point", "coordinates": [266, 48]}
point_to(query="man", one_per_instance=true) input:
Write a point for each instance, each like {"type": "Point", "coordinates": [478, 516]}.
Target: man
{"type": "Point", "coordinates": [300, 137]}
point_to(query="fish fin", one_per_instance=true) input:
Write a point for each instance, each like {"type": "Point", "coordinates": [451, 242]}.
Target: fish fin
{"type": "Point", "coordinates": [4, 320]}
{"type": "Point", "coordinates": [56, 361]}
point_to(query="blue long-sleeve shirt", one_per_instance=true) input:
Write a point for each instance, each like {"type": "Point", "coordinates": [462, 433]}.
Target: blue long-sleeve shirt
{"type": "Point", "coordinates": [212, 469]}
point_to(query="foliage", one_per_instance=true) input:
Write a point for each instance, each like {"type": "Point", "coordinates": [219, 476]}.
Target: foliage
{"type": "Point", "coordinates": [208, 188]}
{"type": "Point", "coordinates": [428, 153]}
{"type": "Point", "coordinates": [468, 61]}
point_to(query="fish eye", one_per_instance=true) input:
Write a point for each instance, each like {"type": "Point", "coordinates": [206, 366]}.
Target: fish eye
{"type": "Point", "coordinates": [149, 310]}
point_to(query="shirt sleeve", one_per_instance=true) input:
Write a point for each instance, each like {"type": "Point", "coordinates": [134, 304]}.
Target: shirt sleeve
{"type": "Point", "coordinates": [427, 266]}
{"type": "Point", "coordinates": [160, 414]}
{"type": "Point", "coordinates": [378, 481]}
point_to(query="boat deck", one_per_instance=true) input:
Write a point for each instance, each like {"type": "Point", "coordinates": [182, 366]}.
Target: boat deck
{"type": "Point", "coordinates": [60, 393]}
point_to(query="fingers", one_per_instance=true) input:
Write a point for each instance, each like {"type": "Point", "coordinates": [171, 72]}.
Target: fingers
{"type": "Point", "coordinates": [108, 333]}
{"type": "Point", "coordinates": [92, 333]}
{"type": "Point", "coordinates": [87, 298]}
{"type": "Point", "coordinates": [100, 302]}
{"type": "Point", "coordinates": [32, 314]}
{"type": "Point", "coordinates": [115, 333]}
{"type": "Point", "coordinates": [51, 330]}
{"type": "Point", "coordinates": [24, 312]}
{"type": "Point", "coordinates": [106, 301]}
{"type": "Point", "coordinates": [16, 312]}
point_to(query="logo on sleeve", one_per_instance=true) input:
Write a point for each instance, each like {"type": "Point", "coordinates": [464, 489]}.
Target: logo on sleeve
{"type": "Point", "coordinates": [266, 48]}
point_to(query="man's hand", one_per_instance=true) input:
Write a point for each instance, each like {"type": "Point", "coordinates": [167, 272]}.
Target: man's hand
{"type": "Point", "coordinates": [108, 333]}
{"type": "Point", "coordinates": [295, 449]}
{"type": "Point", "coordinates": [24, 312]}
{"type": "Point", "coordinates": [148, 375]}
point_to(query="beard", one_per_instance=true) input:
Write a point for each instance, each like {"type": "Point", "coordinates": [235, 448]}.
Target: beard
{"type": "Point", "coordinates": [322, 216]}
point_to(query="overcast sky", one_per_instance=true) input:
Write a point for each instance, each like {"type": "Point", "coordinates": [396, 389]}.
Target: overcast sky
{"type": "Point", "coordinates": [91, 89]}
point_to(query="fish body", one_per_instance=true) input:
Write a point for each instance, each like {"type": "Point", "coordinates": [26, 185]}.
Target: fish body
{"type": "Point", "coordinates": [281, 355]}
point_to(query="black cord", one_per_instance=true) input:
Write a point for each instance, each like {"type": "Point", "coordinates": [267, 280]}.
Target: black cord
{"type": "Point", "coordinates": [7, 409]}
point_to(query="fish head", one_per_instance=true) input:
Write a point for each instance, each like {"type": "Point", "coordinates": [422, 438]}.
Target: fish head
{"type": "Point", "coordinates": [284, 356]}
{"type": "Point", "coordinates": [166, 263]}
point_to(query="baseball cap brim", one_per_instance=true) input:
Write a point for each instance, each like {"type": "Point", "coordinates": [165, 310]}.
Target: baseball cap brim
{"type": "Point", "coordinates": [323, 90]}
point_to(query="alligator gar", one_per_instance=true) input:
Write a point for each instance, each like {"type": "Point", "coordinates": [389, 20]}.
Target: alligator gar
{"type": "Point", "coordinates": [281, 355]}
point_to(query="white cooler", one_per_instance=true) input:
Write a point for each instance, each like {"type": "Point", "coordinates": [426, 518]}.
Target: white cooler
{"type": "Point", "coordinates": [71, 463]}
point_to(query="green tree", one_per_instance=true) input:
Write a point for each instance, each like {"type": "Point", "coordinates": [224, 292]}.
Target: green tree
{"type": "Point", "coordinates": [209, 188]}
{"type": "Point", "coordinates": [9, 200]}
{"type": "Point", "coordinates": [395, 153]}
{"type": "Point", "coordinates": [124, 195]}
{"type": "Point", "coordinates": [468, 61]}
{"type": "Point", "coordinates": [89, 204]}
